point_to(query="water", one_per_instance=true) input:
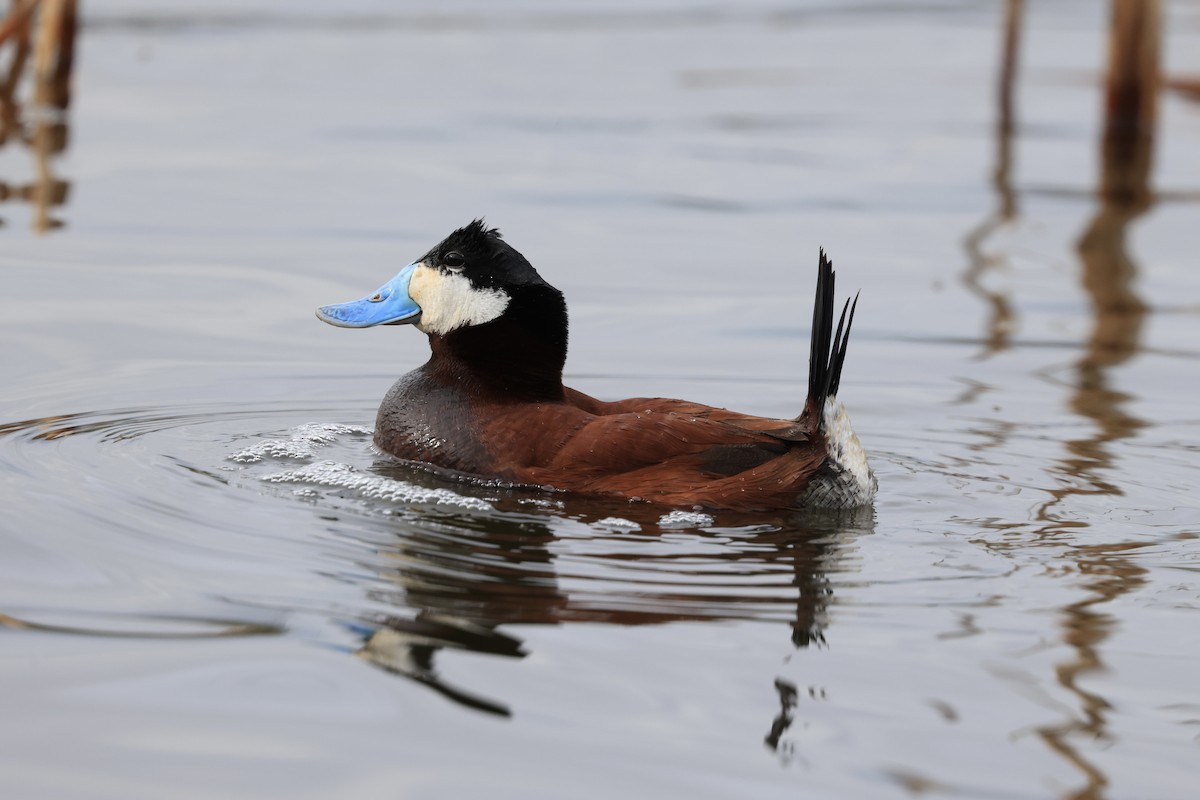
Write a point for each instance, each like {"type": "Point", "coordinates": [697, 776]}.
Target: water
{"type": "Point", "coordinates": [211, 586]}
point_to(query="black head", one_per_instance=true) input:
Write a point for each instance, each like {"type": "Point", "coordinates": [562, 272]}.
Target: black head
{"type": "Point", "coordinates": [488, 312]}
{"type": "Point", "coordinates": [481, 255]}
{"type": "Point", "coordinates": [485, 308]}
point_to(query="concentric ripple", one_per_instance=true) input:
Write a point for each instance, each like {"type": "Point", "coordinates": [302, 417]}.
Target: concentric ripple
{"type": "Point", "coordinates": [204, 521]}
{"type": "Point", "coordinates": [142, 626]}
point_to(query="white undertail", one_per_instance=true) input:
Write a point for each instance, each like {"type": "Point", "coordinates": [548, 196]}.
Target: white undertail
{"type": "Point", "coordinates": [846, 480]}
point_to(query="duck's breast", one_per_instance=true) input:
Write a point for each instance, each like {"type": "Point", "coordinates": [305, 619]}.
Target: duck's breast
{"type": "Point", "coordinates": [423, 419]}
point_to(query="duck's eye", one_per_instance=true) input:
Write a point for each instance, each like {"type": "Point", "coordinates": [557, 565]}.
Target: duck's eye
{"type": "Point", "coordinates": [454, 260]}
{"type": "Point", "coordinates": [375, 298]}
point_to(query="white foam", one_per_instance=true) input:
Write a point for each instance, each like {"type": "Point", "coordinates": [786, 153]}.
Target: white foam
{"type": "Point", "coordinates": [555, 504]}
{"type": "Point", "coordinates": [343, 476]}
{"type": "Point", "coordinates": [685, 519]}
{"type": "Point", "coordinates": [617, 523]}
{"type": "Point", "coordinates": [303, 444]}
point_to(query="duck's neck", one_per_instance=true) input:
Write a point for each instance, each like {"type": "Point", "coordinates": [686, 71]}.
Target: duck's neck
{"type": "Point", "coordinates": [518, 357]}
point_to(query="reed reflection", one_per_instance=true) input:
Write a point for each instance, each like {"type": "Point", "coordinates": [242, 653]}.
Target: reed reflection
{"type": "Point", "coordinates": [979, 261]}
{"type": "Point", "coordinates": [1108, 276]}
{"type": "Point", "coordinates": [456, 580]}
{"type": "Point", "coordinates": [1089, 468]}
{"type": "Point", "coordinates": [45, 31]}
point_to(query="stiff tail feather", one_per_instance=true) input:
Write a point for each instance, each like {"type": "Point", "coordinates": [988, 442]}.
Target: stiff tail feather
{"type": "Point", "coordinates": [827, 350]}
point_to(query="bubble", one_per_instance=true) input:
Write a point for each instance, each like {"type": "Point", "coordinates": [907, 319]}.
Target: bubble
{"type": "Point", "coordinates": [305, 441]}
{"type": "Point", "coordinates": [685, 519]}
{"type": "Point", "coordinates": [617, 523]}
{"type": "Point", "coordinates": [335, 475]}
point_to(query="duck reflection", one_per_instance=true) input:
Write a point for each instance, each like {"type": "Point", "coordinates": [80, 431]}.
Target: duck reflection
{"type": "Point", "coordinates": [462, 576]}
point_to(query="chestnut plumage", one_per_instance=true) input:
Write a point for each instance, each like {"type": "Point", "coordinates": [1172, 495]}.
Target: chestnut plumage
{"type": "Point", "coordinates": [490, 401]}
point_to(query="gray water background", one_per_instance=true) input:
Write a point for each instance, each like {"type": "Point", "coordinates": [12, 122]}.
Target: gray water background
{"type": "Point", "coordinates": [211, 587]}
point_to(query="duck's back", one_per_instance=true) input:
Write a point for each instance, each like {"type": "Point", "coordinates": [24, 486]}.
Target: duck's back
{"type": "Point", "coordinates": [668, 451]}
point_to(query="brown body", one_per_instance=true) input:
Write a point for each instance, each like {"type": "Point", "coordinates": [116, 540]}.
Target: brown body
{"type": "Point", "coordinates": [490, 401]}
{"type": "Point", "coordinates": [670, 451]}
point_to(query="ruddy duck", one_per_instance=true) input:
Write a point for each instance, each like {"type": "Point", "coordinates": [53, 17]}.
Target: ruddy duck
{"type": "Point", "coordinates": [490, 402]}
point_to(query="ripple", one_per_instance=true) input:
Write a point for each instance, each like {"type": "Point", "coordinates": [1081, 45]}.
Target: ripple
{"type": "Point", "coordinates": [190, 436]}
{"type": "Point", "coordinates": [289, 510]}
{"type": "Point", "coordinates": [113, 425]}
{"type": "Point", "coordinates": [134, 626]}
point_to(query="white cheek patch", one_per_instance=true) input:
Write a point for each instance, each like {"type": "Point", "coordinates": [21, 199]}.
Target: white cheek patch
{"type": "Point", "coordinates": [449, 301]}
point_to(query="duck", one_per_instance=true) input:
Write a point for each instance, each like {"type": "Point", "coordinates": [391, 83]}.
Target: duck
{"type": "Point", "coordinates": [490, 403]}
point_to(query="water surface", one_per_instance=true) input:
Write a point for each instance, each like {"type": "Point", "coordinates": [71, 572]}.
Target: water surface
{"type": "Point", "coordinates": [211, 586]}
